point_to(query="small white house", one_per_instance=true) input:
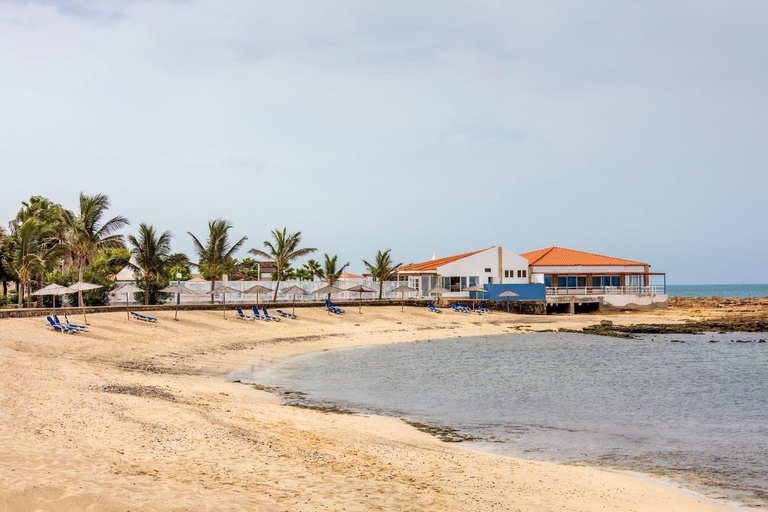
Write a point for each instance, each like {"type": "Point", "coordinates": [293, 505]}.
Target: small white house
{"type": "Point", "coordinates": [494, 265]}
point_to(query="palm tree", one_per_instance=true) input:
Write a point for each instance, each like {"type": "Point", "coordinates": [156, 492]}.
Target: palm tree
{"type": "Point", "coordinates": [154, 258]}
{"type": "Point", "coordinates": [6, 272]}
{"type": "Point", "coordinates": [284, 250]}
{"type": "Point", "coordinates": [313, 268]}
{"type": "Point", "coordinates": [330, 271]}
{"type": "Point", "coordinates": [216, 255]}
{"type": "Point", "coordinates": [52, 216]}
{"type": "Point", "coordinates": [88, 233]}
{"type": "Point", "coordinates": [31, 252]}
{"type": "Point", "coordinates": [382, 268]}
{"type": "Point", "coordinates": [302, 274]}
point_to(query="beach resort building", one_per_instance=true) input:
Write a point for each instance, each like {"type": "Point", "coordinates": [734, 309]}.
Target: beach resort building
{"type": "Point", "coordinates": [616, 282]}
{"type": "Point", "coordinates": [485, 268]}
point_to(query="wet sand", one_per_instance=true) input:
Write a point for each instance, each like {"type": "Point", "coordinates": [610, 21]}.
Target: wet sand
{"type": "Point", "coordinates": [135, 416]}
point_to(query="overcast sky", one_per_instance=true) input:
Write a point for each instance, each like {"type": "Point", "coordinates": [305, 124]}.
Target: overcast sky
{"type": "Point", "coordinates": [635, 129]}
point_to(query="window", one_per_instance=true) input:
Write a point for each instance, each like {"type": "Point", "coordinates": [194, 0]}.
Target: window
{"type": "Point", "coordinates": [474, 281]}
{"type": "Point", "coordinates": [519, 273]}
{"type": "Point", "coordinates": [571, 281]}
{"type": "Point", "coordinates": [561, 282]}
{"type": "Point", "coordinates": [548, 281]}
{"type": "Point", "coordinates": [581, 282]}
{"type": "Point", "coordinates": [488, 270]}
{"type": "Point", "coordinates": [595, 281]}
{"type": "Point", "coordinates": [506, 273]}
{"type": "Point", "coordinates": [525, 273]}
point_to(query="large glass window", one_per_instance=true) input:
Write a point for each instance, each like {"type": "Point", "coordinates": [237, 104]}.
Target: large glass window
{"type": "Point", "coordinates": [571, 281]}
{"type": "Point", "coordinates": [561, 282]}
{"type": "Point", "coordinates": [581, 282]}
{"type": "Point", "coordinates": [597, 281]}
{"type": "Point", "coordinates": [548, 281]}
{"type": "Point", "coordinates": [474, 281]}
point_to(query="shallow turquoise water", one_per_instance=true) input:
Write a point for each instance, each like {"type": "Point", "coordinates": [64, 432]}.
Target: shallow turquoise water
{"type": "Point", "coordinates": [694, 410]}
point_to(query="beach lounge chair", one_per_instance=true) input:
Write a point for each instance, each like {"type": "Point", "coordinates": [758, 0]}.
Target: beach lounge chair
{"type": "Point", "coordinates": [67, 324]}
{"type": "Point", "coordinates": [268, 316]}
{"type": "Point", "coordinates": [258, 315]}
{"type": "Point", "coordinates": [333, 309]}
{"type": "Point", "coordinates": [286, 314]}
{"type": "Point", "coordinates": [482, 308]}
{"type": "Point", "coordinates": [143, 318]}
{"type": "Point", "coordinates": [459, 309]}
{"type": "Point", "coordinates": [469, 310]}
{"type": "Point", "coordinates": [432, 308]}
{"type": "Point", "coordinates": [242, 315]}
{"type": "Point", "coordinates": [58, 327]}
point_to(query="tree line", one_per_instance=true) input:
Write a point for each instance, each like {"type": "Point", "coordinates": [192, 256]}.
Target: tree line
{"type": "Point", "coordinates": [46, 243]}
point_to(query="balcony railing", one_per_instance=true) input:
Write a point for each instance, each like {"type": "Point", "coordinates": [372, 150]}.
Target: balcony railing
{"type": "Point", "coordinates": [607, 290]}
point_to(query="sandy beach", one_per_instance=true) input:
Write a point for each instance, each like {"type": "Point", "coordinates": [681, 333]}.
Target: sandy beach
{"type": "Point", "coordinates": [134, 416]}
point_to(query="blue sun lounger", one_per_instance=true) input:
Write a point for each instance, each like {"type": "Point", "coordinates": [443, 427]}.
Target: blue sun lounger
{"type": "Point", "coordinates": [74, 327]}
{"type": "Point", "coordinates": [333, 309]}
{"type": "Point", "coordinates": [469, 310]}
{"type": "Point", "coordinates": [432, 308]}
{"type": "Point", "coordinates": [67, 322]}
{"type": "Point", "coordinates": [482, 308]}
{"type": "Point", "coordinates": [143, 318]}
{"type": "Point", "coordinates": [242, 315]}
{"type": "Point", "coordinates": [268, 316]}
{"type": "Point", "coordinates": [286, 314]}
{"type": "Point", "coordinates": [459, 309]}
{"type": "Point", "coordinates": [58, 327]}
{"type": "Point", "coordinates": [258, 315]}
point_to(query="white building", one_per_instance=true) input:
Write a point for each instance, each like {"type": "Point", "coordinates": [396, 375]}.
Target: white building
{"type": "Point", "coordinates": [494, 265]}
{"type": "Point", "coordinates": [618, 282]}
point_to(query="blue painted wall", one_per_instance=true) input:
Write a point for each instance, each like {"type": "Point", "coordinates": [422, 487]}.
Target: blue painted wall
{"type": "Point", "coordinates": [526, 291]}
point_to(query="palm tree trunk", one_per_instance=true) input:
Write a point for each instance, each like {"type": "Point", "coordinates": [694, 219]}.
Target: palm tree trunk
{"type": "Point", "coordinates": [20, 287]}
{"type": "Point", "coordinates": [146, 291]}
{"type": "Point", "coordinates": [81, 273]}
{"type": "Point", "coordinates": [277, 287]}
{"type": "Point", "coordinates": [381, 288]}
{"type": "Point", "coordinates": [213, 285]}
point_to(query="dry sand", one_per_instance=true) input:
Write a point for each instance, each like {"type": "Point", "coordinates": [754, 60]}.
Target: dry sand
{"type": "Point", "coordinates": [135, 416]}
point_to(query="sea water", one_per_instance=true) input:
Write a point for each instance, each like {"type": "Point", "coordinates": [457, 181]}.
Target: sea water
{"type": "Point", "coordinates": [690, 407]}
{"type": "Point", "coordinates": [718, 290]}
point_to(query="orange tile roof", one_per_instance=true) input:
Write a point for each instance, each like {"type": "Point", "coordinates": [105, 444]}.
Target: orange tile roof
{"type": "Point", "coordinates": [347, 275]}
{"type": "Point", "coordinates": [558, 256]}
{"type": "Point", "coordinates": [433, 264]}
{"type": "Point", "coordinates": [197, 280]}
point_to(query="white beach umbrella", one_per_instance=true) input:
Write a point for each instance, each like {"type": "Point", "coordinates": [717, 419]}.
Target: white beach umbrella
{"type": "Point", "coordinates": [294, 290]}
{"type": "Point", "coordinates": [402, 290]}
{"type": "Point", "coordinates": [81, 287]}
{"type": "Point", "coordinates": [361, 289]}
{"type": "Point", "coordinates": [258, 290]}
{"type": "Point", "coordinates": [126, 289]}
{"type": "Point", "coordinates": [54, 289]}
{"type": "Point", "coordinates": [438, 290]}
{"type": "Point", "coordinates": [178, 290]}
{"type": "Point", "coordinates": [224, 290]}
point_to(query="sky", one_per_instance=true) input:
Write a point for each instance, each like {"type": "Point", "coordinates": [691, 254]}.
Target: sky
{"type": "Point", "coordinates": [635, 129]}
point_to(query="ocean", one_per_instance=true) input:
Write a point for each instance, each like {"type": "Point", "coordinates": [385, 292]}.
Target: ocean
{"type": "Point", "coordinates": [693, 408]}
{"type": "Point", "coordinates": [718, 290]}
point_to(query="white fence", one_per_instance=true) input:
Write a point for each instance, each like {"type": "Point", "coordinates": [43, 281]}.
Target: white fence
{"type": "Point", "coordinates": [608, 290]}
{"type": "Point", "coordinates": [203, 289]}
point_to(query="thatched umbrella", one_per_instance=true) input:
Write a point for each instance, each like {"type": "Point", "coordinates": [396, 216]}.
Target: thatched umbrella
{"type": "Point", "coordinates": [361, 289]}
{"type": "Point", "coordinates": [257, 289]}
{"type": "Point", "coordinates": [294, 290]}
{"type": "Point", "coordinates": [402, 289]}
{"type": "Point", "coordinates": [179, 290]}
{"type": "Point", "coordinates": [83, 287]}
{"type": "Point", "coordinates": [126, 289]}
{"type": "Point", "coordinates": [53, 289]}
{"type": "Point", "coordinates": [508, 293]}
{"type": "Point", "coordinates": [224, 290]}
{"type": "Point", "coordinates": [328, 290]}
{"type": "Point", "coordinates": [476, 289]}
{"type": "Point", "coordinates": [439, 291]}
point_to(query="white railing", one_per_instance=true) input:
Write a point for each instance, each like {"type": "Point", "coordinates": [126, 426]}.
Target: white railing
{"type": "Point", "coordinates": [204, 287]}
{"type": "Point", "coordinates": [607, 290]}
